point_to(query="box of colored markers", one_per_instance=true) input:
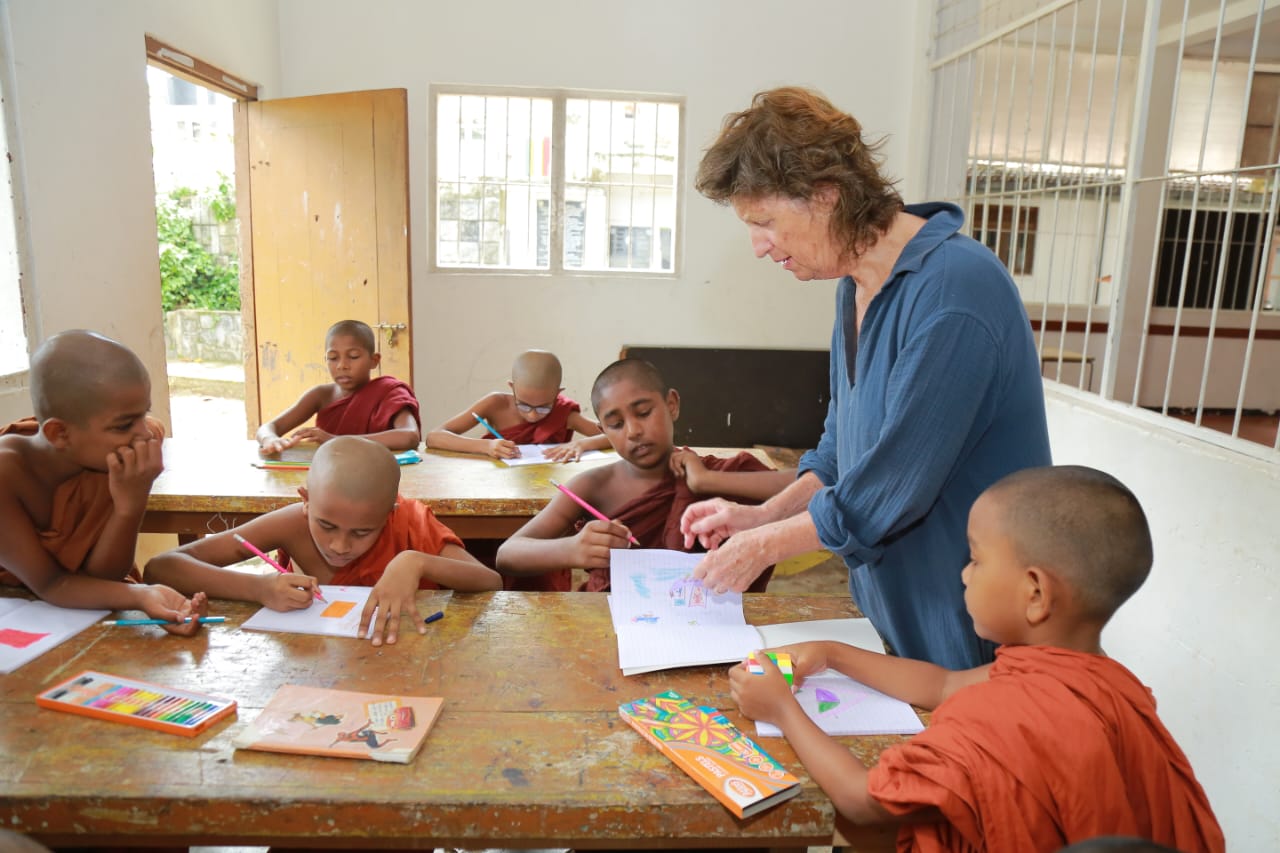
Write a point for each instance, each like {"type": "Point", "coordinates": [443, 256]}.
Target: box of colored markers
{"type": "Point", "coordinates": [138, 703]}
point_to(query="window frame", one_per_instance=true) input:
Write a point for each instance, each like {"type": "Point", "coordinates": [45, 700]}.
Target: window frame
{"type": "Point", "coordinates": [559, 98]}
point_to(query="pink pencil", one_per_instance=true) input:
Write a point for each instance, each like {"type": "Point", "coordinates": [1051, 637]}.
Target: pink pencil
{"type": "Point", "coordinates": [270, 562]}
{"type": "Point", "coordinates": [589, 508]}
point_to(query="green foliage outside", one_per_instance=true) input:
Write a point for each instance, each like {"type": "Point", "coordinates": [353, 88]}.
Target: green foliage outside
{"type": "Point", "coordinates": [190, 275]}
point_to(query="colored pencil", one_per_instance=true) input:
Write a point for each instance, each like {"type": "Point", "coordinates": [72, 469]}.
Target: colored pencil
{"type": "Point", "coordinates": [203, 620]}
{"type": "Point", "coordinates": [589, 508]}
{"type": "Point", "coordinates": [488, 426]}
{"type": "Point", "coordinates": [270, 562]}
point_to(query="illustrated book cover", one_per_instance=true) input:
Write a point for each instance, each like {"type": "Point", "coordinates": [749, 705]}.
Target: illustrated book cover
{"type": "Point", "coordinates": [137, 703]}
{"type": "Point", "coordinates": [704, 744]}
{"type": "Point", "coordinates": [342, 724]}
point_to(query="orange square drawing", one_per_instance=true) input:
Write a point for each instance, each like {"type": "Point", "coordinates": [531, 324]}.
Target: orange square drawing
{"type": "Point", "coordinates": [337, 609]}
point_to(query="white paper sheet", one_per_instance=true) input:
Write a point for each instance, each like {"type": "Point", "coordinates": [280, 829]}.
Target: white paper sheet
{"type": "Point", "coordinates": [28, 629]}
{"type": "Point", "coordinates": [665, 619]}
{"type": "Point", "coordinates": [337, 616]}
{"type": "Point", "coordinates": [531, 454]}
{"type": "Point", "coordinates": [854, 632]}
{"type": "Point", "coordinates": [842, 706]}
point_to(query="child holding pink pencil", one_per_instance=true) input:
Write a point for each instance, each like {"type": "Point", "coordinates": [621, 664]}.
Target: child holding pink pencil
{"type": "Point", "coordinates": [638, 499]}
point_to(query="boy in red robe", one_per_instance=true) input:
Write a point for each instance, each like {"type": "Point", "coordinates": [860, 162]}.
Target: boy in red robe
{"type": "Point", "coordinates": [74, 482]}
{"type": "Point", "coordinates": [1052, 744]}
{"type": "Point", "coordinates": [351, 528]}
{"type": "Point", "coordinates": [383, 409]}
{"type": "Point", "coordinates": [532, 412]}
{"type": "Point", "coordinates": [645, 492]}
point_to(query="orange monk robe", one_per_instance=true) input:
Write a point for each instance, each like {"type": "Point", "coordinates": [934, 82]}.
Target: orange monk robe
{"type": "Point", "coordinates": [82, 506]}
{"type": "Point", "coordinates": [412, 526]}
{"type": "Point", "coordinates": [553, 429]}
{"type": "Point", "coordinates": [371, 408]}
{"type": "Point", "coordinates": [1057, 747]}
{"type": "Point", "coordinates": [654, 517]}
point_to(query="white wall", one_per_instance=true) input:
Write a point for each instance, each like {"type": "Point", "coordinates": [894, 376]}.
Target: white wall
{"type": "Point", "coordinates": [467, 328]}
{"type": "Point", "coordinates": [1202, 632]}
{"type": "Point", "coordinates": [83, 153]}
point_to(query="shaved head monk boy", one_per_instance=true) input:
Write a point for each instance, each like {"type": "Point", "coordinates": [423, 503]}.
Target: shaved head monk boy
{"type": "Point", "coordinates": [380, 408]}
{"type": "Point", "coordinates": [1052, 744]}
{"type": "Point", "coordinates": [74, 482]}
{"type": "Point", "coordinates": [351, 529]}
{"type": "Point", "coordinates": [533, 411]}
{"type": "Point", "coordinates": [644, 493]}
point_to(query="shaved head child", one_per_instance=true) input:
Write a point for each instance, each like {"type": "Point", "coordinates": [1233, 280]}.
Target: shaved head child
{"type": "Point", "coordinates": [644, 492]}
{"type": "Point", "coordinates": [383, 408]}
{"type": "Point", "coordinates": [74, 481]}
{"type": "Point", "coordinates": [532, 411]}
{"type": "Point", "coordinates": [1052, 744]}
{"type": "Point", "coordinates": [351, 528]}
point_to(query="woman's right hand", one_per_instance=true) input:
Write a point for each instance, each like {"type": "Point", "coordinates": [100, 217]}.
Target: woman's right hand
{"type": "Point", "coordinates": [712, 522]}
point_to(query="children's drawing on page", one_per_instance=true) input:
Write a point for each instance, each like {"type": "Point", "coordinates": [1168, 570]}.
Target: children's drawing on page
{"type": "Point", "coordinates": [337, 616]}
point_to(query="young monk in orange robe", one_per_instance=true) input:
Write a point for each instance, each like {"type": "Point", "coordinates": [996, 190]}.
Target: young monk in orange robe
{"type": "Point", "coordinates": [1052, 744]}
{"type": "Point", "coordinates": [645, 492]}
{"type": "Point", "coordinates": [74, 481]}
{"type": "Point", "coordinates": [383, 409]}
{"type": "Point", "coordinates": [350, 528]}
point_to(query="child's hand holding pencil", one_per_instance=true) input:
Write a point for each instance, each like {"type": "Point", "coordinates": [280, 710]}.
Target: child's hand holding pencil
{"type": "Point", "coordinates": [295, 580]}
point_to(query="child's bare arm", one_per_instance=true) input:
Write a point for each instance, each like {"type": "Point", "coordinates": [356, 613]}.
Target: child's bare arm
{"type": "Point", "coordinates": [918, 683]}
{"type": "Point", "coordinates": [747, 485]}
{"type": "Point", "coordinates": [200, 565]}
{"type": "Point", "coordinates": [130, 472]}
{"type": "Point", "coordinates": [840, 774]}
{"type": "Point", "coordinates": [544, 544]}
{"type": "Point", "coordinates": [450, 434]}
{"type": "Point", "coordinates": [272, 435]}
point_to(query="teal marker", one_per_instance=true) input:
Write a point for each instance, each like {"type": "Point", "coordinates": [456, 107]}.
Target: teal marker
{"type": "Point", "coordinates": [488, 426]}
{"type": "Point", "coordinates": [203, 620]}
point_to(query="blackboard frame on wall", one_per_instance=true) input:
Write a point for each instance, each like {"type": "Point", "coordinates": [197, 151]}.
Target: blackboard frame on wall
{"type": "Point", "coordinates": [733, 397]}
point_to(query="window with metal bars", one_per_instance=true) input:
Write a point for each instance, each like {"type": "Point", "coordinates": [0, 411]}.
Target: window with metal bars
{"type": "Point", "coordinates": [555, 181]}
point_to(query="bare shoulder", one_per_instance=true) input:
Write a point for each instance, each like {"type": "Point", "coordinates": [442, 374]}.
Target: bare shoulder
{"type": "Point", "coordinates": [17, 466]}
{"type": "Point", "coordinates": [495, 402]}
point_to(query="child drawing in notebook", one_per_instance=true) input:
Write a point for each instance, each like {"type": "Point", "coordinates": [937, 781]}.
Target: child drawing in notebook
{"type": "Point", "coordinates": [351, 528]}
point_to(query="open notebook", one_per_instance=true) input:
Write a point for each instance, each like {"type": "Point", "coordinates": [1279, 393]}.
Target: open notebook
{"type": "Point", "coordinates": [531, 454]}
{"type": "Point", "coordinates": [665, 619]}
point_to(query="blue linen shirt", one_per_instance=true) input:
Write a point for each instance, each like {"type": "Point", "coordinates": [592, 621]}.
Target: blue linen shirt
{"type": "Point", "coordinates": [946, 398]}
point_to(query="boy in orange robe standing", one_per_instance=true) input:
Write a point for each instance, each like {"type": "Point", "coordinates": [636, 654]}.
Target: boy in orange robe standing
{"type": "Point", "coordinates": [382, 408]}
{"type": "Point", "coordinates": [74, 482]}
{"type": "Point", "coordinates": [351, 528]}
{"type": "Point", "coordinates": [1052, 744]}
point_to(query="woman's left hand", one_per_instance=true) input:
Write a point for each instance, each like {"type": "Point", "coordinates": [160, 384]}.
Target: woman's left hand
{"type": "Point", "coordinates": [736, 563]}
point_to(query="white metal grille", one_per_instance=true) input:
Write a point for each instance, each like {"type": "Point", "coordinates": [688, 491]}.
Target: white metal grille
{"type": "Point", "coordinates": [1120, 156]}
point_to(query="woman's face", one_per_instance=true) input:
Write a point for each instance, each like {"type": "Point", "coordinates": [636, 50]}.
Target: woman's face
{"type": "Point", "coordinates": [793, 233]}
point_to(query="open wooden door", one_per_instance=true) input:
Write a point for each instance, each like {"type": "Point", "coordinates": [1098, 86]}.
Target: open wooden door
{"type": "Point", "coordinates": [323, 194]}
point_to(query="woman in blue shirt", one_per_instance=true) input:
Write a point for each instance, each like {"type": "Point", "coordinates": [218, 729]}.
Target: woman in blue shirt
{"type": "Point", "coordinates": [935, 384]}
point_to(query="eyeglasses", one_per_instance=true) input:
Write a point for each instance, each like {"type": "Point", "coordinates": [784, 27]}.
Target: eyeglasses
{"type": "Point", "coordinates": [526, 408]}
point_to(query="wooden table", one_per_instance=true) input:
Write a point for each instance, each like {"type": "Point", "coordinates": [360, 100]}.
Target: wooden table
{"type": "Point", "coordinates": [529, 751]}
{"type": "Point", "coordinates": [209, 488]}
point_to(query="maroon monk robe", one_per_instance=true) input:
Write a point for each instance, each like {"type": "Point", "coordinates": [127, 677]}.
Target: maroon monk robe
{"type": "Point", "coordinates": [372, 408]}
{"type": "Point", "coordinates": [654, 517]}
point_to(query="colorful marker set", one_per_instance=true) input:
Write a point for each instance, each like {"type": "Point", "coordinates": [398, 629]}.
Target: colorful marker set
{"type": "Point", "coordinates": [137, 703]}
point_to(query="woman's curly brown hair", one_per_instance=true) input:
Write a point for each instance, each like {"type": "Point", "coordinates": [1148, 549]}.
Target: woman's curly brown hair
{"type": "Point", "coordinates": [793, 142]}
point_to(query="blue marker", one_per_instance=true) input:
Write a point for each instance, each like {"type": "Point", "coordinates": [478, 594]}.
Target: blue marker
{"type": "Point", "coordinates": [488, 426]}
{"type": "Point", "coordinates": [203, 620]}
{"type": "Point", "coordinates": [439, 614]}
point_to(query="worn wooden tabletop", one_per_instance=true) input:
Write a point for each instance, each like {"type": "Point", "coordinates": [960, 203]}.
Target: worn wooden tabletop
{"type": "Point", "coordinates": [529, 751]}
{"type": "Point", "coordinates": [207, 488]}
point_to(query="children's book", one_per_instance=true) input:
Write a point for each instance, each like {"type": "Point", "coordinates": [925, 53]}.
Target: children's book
{"type": "Point", "coordinates": [703, 743]}
{"type": "Point", "coordinates": [342, 724]}
{"type": "Point", "coordinates": [337, 616]}
{"type": "Point", "coordinates": [29, 628]}
{"type": "Point", "coordinates": [531, 454]}
{"type": "Point", "coordinates": [137, 703]}
{"type": "Point", "coordinates": [843, 706]}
